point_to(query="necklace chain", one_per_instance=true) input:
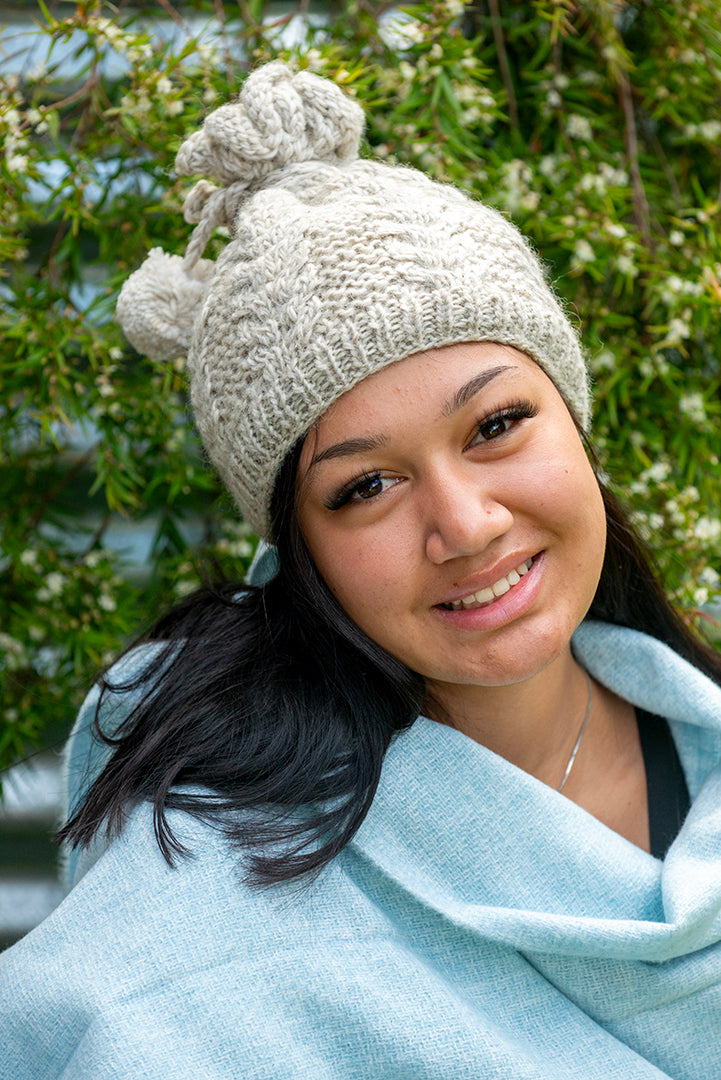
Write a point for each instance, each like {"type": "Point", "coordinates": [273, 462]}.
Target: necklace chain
{"type": "Point", "coordinates": [580, 734]}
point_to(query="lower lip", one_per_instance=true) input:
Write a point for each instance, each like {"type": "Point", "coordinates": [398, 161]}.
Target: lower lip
{"type": "Point", "coordinates": [504, 609]}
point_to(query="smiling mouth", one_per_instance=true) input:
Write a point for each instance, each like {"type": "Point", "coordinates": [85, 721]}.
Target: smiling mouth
{"type": "Point", "coordinates": [486, 596]}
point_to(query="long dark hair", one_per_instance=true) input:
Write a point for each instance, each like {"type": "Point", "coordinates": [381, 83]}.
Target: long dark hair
{"type": "Point", "coordinates": [268, 711]}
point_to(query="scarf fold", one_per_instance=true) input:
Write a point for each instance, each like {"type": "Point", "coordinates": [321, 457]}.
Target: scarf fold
{"type": "Point", "coordinates": [479, 927]}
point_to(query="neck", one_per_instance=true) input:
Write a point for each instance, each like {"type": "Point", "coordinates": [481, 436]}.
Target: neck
{"type": "Point", "coordinates": [534, 723]}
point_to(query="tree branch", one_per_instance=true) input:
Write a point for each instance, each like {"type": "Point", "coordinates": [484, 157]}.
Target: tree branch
{"type": "Point", "coordinates": [503, 64]}
{"type": "Point", "coordinates": [641, 210]}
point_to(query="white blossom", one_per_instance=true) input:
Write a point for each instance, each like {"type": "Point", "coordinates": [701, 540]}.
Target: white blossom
{"type": "Point", "coordinates": [676, 237]}
{"type": "Point", "coordinates": [14, 650]}
{"type": "Point", "coordinates": [470, 116]}
{"type": "Point", "coordinates": [707, 528]}
{"type": "Point", "coordinates": [16, 162]}
{"type": "Point", "coordinates": [107, 602]}
{"type": "Point", "coordinates": [548, 165]}
{"type": "Point", "coordinates": [589, 77]}
{"type": "Point", "coordinates": [605, 361]}
{"type": "Point", "coordinates": [584, 252]}
{"type": "Point", "coordinates": [314, 59]}
{"type": "Point", "coordinates": [710, 129]}
{"type": "Point", "coordinates": [465, 92]}
{"type": "Point", "coordinates": [678, 331]}
{"type": "Point", "coordinates": [55, 583]}
{"type": "Point", "coordinates": [29, 557]}
{"type": "Point", "coordinates": [138, 53]}
{"type": "Point", "coordinates": [579, 127]}
{"type": "Point", "coordinates": [674, 512]}
{"type": "Point", "coordinates": [700, 596]}
{"type": "Point", "coordinates": [413, 30]}
{"type": "Point", "coordinates": [626, 266]}
{"type": "Point", "coordinates": [12, 118]}
{"type": "Point", "coordinates": [693, 406]}
{"type": "Point", "coordinates": [659, 471]}
{"type": "Point", "coordinates": [36, 72]}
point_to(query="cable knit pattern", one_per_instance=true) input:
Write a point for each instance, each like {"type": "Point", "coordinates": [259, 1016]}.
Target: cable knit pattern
{"type": "Point", "coordinates": [336, 268]}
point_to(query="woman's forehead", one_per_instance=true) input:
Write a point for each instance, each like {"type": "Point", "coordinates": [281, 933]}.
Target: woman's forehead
{"type": "Point", "coordinates": [442, 377]}
{"type": "Point", "coordinates": [431, 384]}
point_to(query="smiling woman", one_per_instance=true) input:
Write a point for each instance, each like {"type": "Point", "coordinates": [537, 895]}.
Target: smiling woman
{"type": "Point", "coordinates": [462, 488]}
{"type": "Point", "coordinates": [450, 762]}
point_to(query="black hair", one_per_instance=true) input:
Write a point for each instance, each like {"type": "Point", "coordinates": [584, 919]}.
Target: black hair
{"type": "Point", "coordinates": [268, 712]}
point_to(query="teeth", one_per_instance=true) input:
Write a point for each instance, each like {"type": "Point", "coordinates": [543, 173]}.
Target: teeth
{"type": "Point", "coordinates": [499, 588]}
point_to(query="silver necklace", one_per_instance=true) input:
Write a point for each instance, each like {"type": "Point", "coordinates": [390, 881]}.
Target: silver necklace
{"type": "Point", "coordinates": [580, 734]}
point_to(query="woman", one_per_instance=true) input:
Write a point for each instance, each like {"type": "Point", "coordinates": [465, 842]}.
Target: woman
{"type": "Point", "coordinates": [282, 870]}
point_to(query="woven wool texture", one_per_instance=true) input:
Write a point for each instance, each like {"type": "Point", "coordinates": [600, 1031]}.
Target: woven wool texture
{"type": "Point", "coordinates": [336, 268]}
{"type": "Point", "coordinates": [478, 927]}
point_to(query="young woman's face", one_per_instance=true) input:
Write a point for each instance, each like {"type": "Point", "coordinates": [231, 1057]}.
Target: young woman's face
{"type": "Point", "coordinates": [448, 503]}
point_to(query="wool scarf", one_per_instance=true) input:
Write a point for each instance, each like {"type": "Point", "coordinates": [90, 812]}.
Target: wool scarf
{"type": "Point", "coordinates": [480, 926]}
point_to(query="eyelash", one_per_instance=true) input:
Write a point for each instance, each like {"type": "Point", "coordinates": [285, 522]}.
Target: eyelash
{"type": "Point", "coordinates": [344, 494]}
{"type": "Point", "coordinates": [514, 411]}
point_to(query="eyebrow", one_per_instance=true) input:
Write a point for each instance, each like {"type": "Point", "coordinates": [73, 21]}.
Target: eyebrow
{"type": "Point", "coordinates": [469, 390]}
{"type": "Point", "coordinates": [349, 447]}
{"type": "Point", "coordinates": [364, 444]}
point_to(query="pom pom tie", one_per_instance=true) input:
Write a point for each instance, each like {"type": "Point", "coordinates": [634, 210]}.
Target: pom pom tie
{"type": "Point", "coordinates": [281, 118]}
{"type": "Point", "coordinates": [159, 303]}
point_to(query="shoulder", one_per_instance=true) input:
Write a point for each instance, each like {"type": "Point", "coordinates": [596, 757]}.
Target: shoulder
{"type": "Point", "coordinates": [143, 962]}
{"type": "Point", "coordinates": [86, 754]}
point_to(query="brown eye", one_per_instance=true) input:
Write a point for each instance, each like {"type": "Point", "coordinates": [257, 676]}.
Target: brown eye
{"type": "Point", "coordinates": [491, 429]}
{"type": "Point", "coordinates": [366, 489]}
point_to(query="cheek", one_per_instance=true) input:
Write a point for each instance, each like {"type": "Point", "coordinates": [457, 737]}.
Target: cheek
{"type": "Point", "coordinates": [366, 573]}
{"type": "Point", "coordinates": [566, 497]}
{"type": "Point", "coordinates": [564, 486]}
{"type": "Point", "coordinates": [581, 505]}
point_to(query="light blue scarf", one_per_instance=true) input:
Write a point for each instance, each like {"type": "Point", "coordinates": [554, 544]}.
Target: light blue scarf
{"type": "Point", "coordinates": [479, 926]}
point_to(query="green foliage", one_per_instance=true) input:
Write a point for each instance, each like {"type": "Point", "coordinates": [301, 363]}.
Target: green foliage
{"type": "Point", "coordinates": [593, 124]}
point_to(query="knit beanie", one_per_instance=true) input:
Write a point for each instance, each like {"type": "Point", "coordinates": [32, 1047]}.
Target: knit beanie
{"type": "Point", "coordinates": [336, 267]}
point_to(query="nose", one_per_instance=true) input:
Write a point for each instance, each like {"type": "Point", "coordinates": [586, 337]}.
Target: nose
{"type": "Point", "coordinates": [462, 518]}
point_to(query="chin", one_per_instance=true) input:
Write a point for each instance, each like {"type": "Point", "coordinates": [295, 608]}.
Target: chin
{"type": "Point", "coordinates": [506, 659]}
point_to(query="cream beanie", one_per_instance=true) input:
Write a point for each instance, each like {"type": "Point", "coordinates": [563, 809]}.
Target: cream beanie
{"type": "Point", "coordinates": [336, 268]}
